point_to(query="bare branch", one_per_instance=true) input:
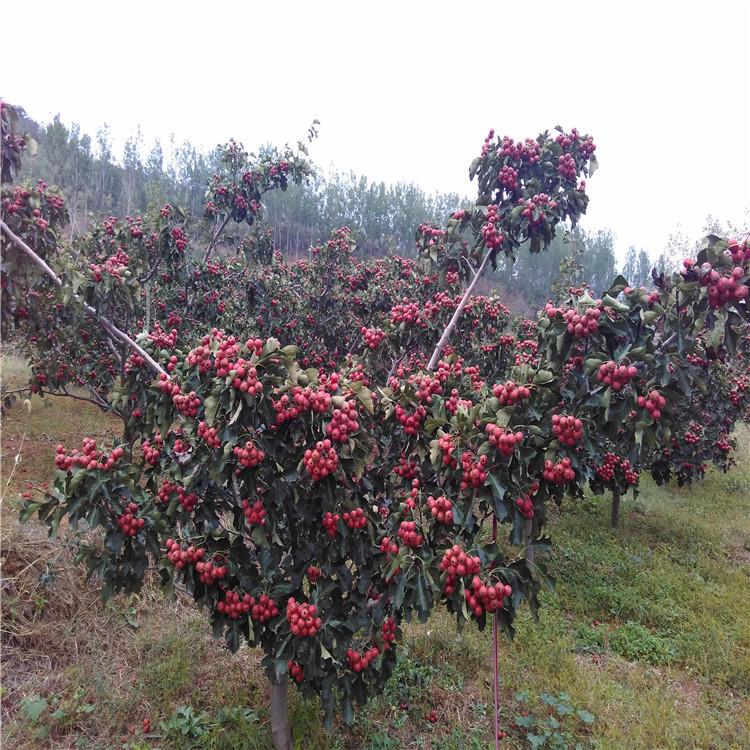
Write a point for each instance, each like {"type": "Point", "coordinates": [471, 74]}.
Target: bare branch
{"type": "Point", "coordinates": [101, 403]}
{"type": "Point", "coordinates": [457, 314]}
{"type": "Point", "coordinates": [215, 238]}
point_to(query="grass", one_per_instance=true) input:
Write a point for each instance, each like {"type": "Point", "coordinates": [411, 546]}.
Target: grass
{"type": "Point", "coordinates": [648, 629]}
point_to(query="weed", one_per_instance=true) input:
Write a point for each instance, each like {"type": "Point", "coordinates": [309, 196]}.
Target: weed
{"type": "Point", "coordinates": [559, 725]}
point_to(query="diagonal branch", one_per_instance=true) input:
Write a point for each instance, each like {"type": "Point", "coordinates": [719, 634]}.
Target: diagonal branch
{"type": "Point", "coordinates": [109, 327]}
{"type": "Point", "coordinates": [215, 238]}
{"type": "Point", "coordinates": [457, 314]}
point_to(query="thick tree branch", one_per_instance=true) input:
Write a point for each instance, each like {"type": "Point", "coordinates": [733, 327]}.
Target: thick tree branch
{"type": "Point", "coordinates": [457, 314]}
{"type": "Point", "coordinates": [109, 327]}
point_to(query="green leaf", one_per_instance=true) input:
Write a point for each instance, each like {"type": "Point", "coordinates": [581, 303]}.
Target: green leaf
{"type": "Point", "coordinates": [33, 707]}
{"type": "Point", "coordinates": [585, 716]}
{"type": "Point", "coordinates": [593, 165]}
{"type": "Point", "coordinates": [211, 404]}
{"type": "Point", "coordinates": [365, 396]}
{"type": "Point", "coordinates": [543, 377]}
{"type": "Point", "coordinates": [610, 301]}
{"type": "Point", "coordinates": [618, 285]}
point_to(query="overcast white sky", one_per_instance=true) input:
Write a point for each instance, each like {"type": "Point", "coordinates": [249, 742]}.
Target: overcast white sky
{"type": "Point", "coordinates": [407, 90]}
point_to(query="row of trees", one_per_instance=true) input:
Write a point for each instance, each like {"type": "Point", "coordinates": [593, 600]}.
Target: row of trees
{"type": "Point", "coordinates": [320, 449]}
{"type": "Point", "coordinates": [99, 182]}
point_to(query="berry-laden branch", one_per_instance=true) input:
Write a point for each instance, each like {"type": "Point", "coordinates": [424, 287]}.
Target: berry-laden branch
{"type": "Point", "coordinates": [112, 330]}
{"type": "Point", "coordinates": [457, 314]}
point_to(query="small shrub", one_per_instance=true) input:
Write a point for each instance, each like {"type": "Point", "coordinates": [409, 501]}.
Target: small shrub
{"type": "Point", "coordinates": [559, 724]}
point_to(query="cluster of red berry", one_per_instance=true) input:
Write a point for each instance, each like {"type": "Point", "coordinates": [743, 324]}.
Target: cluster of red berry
{"type": "Point", "coordinates": [89, 457]}
{"type": "Point", "coordinates": [300, 400]}
{"type": "Point", "coordinates": [233, 605]}
{"type": "Point", "coordinates": [486, 144]}
{"type": "Point", "coordinates": [129, 524]}
{"type": "Point", "coordinates": [331, 524]}
{"type": "Point", "coordinates": [723, 289]}
{"type": "Point", "coordinates": [723, 445]}
{"type": "Point", "coordinates": [228, 348]}
{"type": "Point", "coordinates": [411, 422]}
{"type": "Point", "coordinates": [321, 460]}
{"type": "Point", "coordinates": [255, 513]}
{"type": "Point", "coordinates": [200, 357]}
{"type": "Point", "coordinates": [504, 440]}
{"type": "Point", "coordinates": [249, 456]}
{"type": "Point", "coordinates": [491, 235]}
{"type": "Point", "coordinates": [208, 573]}
{"type": "Point", "coordinates": [408, 534]}
{"type": "Point", "coordinates": [457, 564]}
{"type": "Point", "coordinates": [533, 208]}
{"type": "Point", "coordinates": [355, 519]}
{"type": "Point", "coordinates": [406, 470]}
{"type": "Point", "coordinates": [188, 500]}
{"type": "Point", "coordinates": [411, 501]}
{"type": "Point", "coordinates": [313, 573]}
{"type": "Point", "coordinates": [388, 547]}
{"type": "Point", "coordinates": [245, 378]}
{"type": "Point", "coordinates": [187, 404]}
{"type": "Point", "coordinates": [525, 506]}
{"type": "Point", "coordinates": [527, 150]}
{"type": "Point", "coordinates": [209, 435]}
{"type": "Point", "coordinates": [616, 376]}
{"type": "Point", "coordinates": [509, 393]}
{"type": "Point", "coordinates": [388, 632]}
{"type": "Point", "coordinates": [180, 238]}
{"type": "Point", "coordinates": [559, 472]}
{"type": "Point", "coordinates": [508, 178]}
{"type": "Point", "coordinates": [486, 598]}
{"type": "Point", "coordinates": [358, 662]}
{"type": "Point", "coordinates": [566, 165]}
{"type": "Point", "coordinates": [441, 509]}
{"type": "Point", "coordinates": [372, 336]}
{"type": "Point", "coordinates": [631, 475]}
{"type": "Point", "coordinates": [263, 609]}
{"type": "Point", "coordinates": [343, 423]}
{"type": "Point", "coordinates": [426, 386]}
{"type": "Point", "coordinates": [152, 450]}
{"type": "Point", "coordinates": [134, 362]}
{"type": "Point", "coordinates": [567, 429]}
{"type": "Point", "coordinates": [610, 463]}
{"type": "Point", "coordinates": [406, 312]}
{"type": "Point", "coordinates": [607, 470]}
{"type": "Point", "coordinates": [163, 339]}
{"type": "Point", "coordinates": [653, 402]}
{"type": "Point", "coordinates": [295, 671]}
{"type": "Point", "coordinates": [303, 618]}
{"type": "Point", "coordinates": [181, 556]}
{"type": "Point", "coordinates": [447, 446]}
{"type": "Point", "coordinates": [474, 470]}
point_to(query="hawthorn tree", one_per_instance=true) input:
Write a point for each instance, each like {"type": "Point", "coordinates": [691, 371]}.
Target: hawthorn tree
{"type": "Point", "coordinates": [313, 494]}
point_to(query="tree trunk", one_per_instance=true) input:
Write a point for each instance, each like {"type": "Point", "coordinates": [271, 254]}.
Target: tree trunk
{"type": "Point", "coordinates": [282, 738]}
{"type": "Point", "coordinates": [615, 508]}
{"type": "Point", "coordinates": [528, 552]}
